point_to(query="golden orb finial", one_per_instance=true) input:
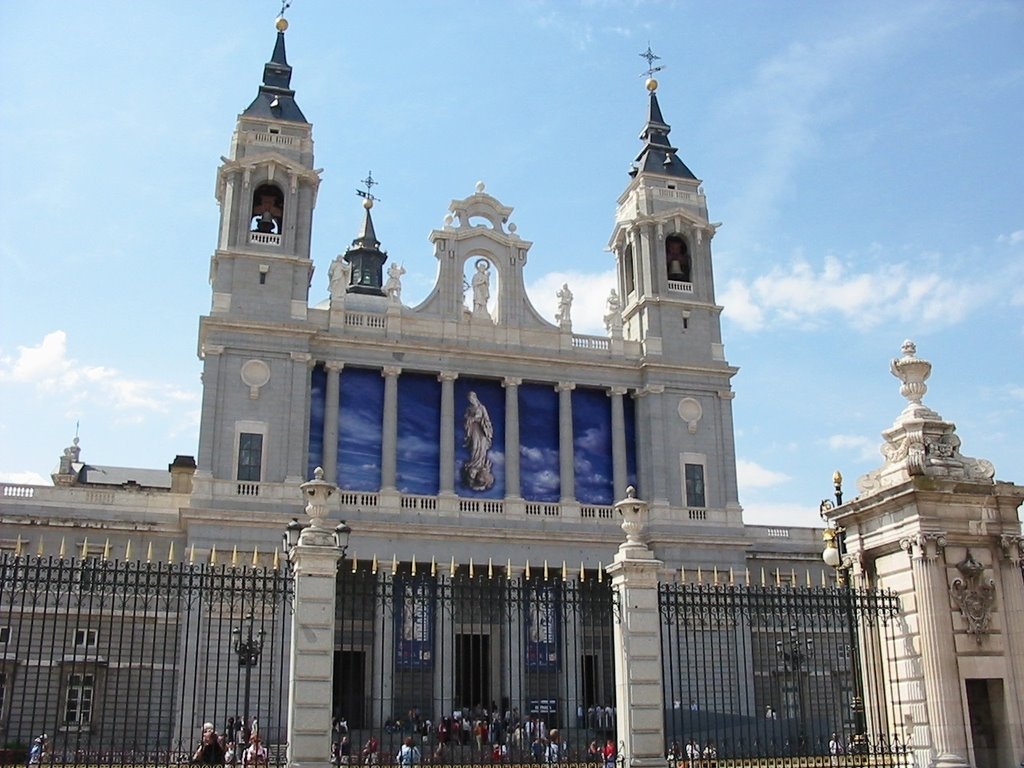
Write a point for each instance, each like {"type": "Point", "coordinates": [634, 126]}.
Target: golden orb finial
{"type": "Point", "coordinates": [368, 203]}
{"type": "Point", "coordinates": [652, 84]}
{"type": "Point", "coordinates": [281, 23]}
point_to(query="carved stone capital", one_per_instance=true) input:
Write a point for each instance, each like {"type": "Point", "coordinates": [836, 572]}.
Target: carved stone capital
{"type": "Point", "coordinates": [447, 376]}
{"type": "Point", "coordinates": [213, 349]}
{"type": "Point", "coordinates": [620, 391]}
{"type": "Point", "coordinates": [924, 546]}
{"type": "Point", "coordinates": [974, 596]}
{"type": "Point", "coordinates": [390, 370]}
{"type": "Point", "coordinates": [565, 386]}
{"type": "Point", "coordinates": [303, 357]}
{"type": "Point", "coordinates": [652, 389]}
{"type": "Point", "coordinates": [334, 366]}
{"type": "Point", "coordinates": [1012, 548]}
{"type": "Point", "coordinates": [511, 381]}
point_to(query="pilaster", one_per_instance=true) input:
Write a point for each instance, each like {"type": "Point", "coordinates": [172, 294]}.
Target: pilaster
{"type": "Point", "coordinates": [512, 484]}
{"type": "Point", "coordinates": [389, 434]}
{"type": "Point", "coordinates": [620, 470]}
{"type": "Point", "coordinates": [566, 466]}
{"type": "Point", "coordinates": [446, 481]}
{"type": "Point", "coordinates": [330, 447]}
{"type": "Point", "coordinates": [938, 651]}
{"type": "Point", "coordinates": [298, 418]}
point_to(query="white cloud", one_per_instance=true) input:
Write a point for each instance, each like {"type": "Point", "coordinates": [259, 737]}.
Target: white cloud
{"type": "Point", "coordinates": [780, 514]}
{"type": "Point", "coordinates": [864, 448]}
{"type": "Point", "coordinates": [1014, 238]}
{"type": "Point", "coordinates": [48, 369]}
{"type": "Point", "coordinates": [24, 478]}
{"type": "Point", "coordinates": [752, 475]}
{"type": "Point", "coordinates": [801, 295]}
{"type": "Point", "coordinates": [590, 295]}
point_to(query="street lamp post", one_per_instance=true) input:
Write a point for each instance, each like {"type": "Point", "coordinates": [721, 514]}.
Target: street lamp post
{"type": "Point", "coordinates": [794, 653]}
{"type": "Point", "coordinates": [837, 557]}
{"type": "Point", "coordinates": [248, 650]}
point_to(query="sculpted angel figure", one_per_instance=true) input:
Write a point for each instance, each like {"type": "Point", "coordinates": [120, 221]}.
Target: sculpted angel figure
{"type": "Point", "coordinates": [339, 276]}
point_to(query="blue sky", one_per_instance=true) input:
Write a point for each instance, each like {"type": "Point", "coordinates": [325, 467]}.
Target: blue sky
{"type": "Point", "coordinates": [865, 159]}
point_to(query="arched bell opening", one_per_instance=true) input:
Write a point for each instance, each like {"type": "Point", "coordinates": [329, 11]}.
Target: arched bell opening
{"type": "Point", "coordinates": [267, 216]}
{"type": "Point", "coordinates": [677, 259]}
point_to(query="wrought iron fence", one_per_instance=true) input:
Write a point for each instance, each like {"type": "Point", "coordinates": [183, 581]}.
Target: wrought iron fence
{"type": "Point", "coordinates": [472, 666]}
{"type": "Point", "coordinates": [780, 673]}
{"type": "Point", "coordinates": [123, 662]}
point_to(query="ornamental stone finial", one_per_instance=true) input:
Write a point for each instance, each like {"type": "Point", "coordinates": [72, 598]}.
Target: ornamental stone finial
{"type": "Point", "coordinates": [634, 513]}
{"type": "Point", "coordinates": [913, 372]}
{"type": "Point", "coordinates": [317, 493]}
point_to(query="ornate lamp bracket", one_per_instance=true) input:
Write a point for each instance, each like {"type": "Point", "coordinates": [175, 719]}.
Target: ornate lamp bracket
{"type": "Point", "coordinates": [974, 595]}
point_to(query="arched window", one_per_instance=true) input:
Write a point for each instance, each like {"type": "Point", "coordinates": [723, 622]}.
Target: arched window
{"type": "Point", "coordinates": [267, 210]}
{"type": "Point", "coordinates": [627, 267]}
{"type": "Point", "coordinates": [677, 259]}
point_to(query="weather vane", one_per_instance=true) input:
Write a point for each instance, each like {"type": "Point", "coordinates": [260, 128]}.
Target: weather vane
{"type": "Point", "coordinates": [285, 5]}
{"type": "Point", "coordinates": [651, 58]}
{"type": "Point", "coordinates": [369, 183]}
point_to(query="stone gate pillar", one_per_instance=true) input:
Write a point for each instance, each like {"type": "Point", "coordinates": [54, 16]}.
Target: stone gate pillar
{"type": "Point", "coordinates": [639, 698]}
{"type": "Point", "coordinates": [314, 562]}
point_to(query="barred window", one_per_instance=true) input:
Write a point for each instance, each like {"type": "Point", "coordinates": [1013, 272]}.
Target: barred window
{"type": "Point", "coordinates": [80, 694]}
{"type": "Point", "coordinates": [695, 485]}
{"type": "Point", "coordinates": [250, 456]}
{"type": "Point", "coordinates": [86, 638]}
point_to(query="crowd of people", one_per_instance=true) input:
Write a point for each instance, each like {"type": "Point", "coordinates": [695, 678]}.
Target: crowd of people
{"type": "Point", "coordinates": [239, 744]}
{"type": "Point", "coordinates": [479, 735]}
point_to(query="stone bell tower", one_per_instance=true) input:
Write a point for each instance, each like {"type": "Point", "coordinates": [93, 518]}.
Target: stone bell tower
{"type": "Point", "coordinates": [253, 343]}
{"type": "Point", "coordinates": [662, 246]}
{"type": "Point", "coordinates": [933, 525]}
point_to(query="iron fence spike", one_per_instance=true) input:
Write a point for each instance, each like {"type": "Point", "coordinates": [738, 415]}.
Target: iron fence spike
{"type": "Point", "coordinates": [170, 552]}
{"type": "Point", "coordinates": [128, 551]}
{"type": "Point", "coordinates": [149, 552]}
{"type": "Point", "coordinates": [213, 555]}
{"type": "Point", "coordinates": [451, 568]}
{"type": "Point", "coordinates": [412, 566]}
{"type": "Point", "coordinates": [106, 550]}
{"type": "Point", "coordinates": [39, 547]}
{"type": "Point", "coordinates": [471, 573]}
{"type": "Point", "coordinates": [60, 552]}
{"type": "Point", "coordinates": [255, 556]}
{"type": "Point", "coordinates": [394, 563]}
{"type": "Point", "coordinates": [234, 556]}
{"type": "Point", "coordinates": [490, 568]}
{"type": "Point", "coordinates": [85, 548]}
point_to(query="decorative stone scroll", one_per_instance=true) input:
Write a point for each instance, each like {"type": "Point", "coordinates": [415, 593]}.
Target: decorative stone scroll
{"type": "Point", "coordinates": [974, 595]}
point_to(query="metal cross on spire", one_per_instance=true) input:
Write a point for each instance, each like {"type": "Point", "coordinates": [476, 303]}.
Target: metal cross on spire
{"type": "Point", "coordinates": [651, 58]}
{"type": "Point", "coordinates": [369, 182]}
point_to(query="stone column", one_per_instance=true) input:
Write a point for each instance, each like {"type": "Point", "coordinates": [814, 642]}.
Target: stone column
{"type": "Point", "coordinates": [447, 468]}
{"type": "Point", "coordinates": [938, 651]}
{"type": "Point", "coordinates": [389, 429]}
{"type": "Point", "coordinates": [636, 632]}
{"type": "Point", "coordinates": [566, 466]}
{"type": "Point", "coordinates": [620, 469]}
{"type": "Point", "coordinates": [298, 417]}
{"type": "Point", "coordinates": [314, 563]}
{"type": "Point", "coordinates": [330, 447]}
{"type": "Point", "coordinates": [511, 385]}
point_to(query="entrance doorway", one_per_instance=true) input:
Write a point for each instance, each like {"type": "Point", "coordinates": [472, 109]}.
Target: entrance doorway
{"type": "Point", "coordinates": [472, 670]}
{"type": "Point", "coordinates": [988, 722]}
{"type": "Point", "coordinates": [350, 700]}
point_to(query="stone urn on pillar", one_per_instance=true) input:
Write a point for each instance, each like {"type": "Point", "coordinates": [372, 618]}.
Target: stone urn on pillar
{"type": "Point", "coordinates": [635, 514]}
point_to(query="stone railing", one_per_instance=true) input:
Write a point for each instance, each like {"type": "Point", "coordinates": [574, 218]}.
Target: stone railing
{"type": "Point", "coordinates": [264, 238]}
{"type": "Point", "coordinates": [366, 320]}
{"type": "Point", "coordinates": [680, 287]}
{"type": "Point", "coordinates": [274, 139]}
{"type": "Point", "coordinates": [597, 343]}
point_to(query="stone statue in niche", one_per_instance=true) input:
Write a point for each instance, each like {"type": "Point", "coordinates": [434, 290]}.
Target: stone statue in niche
{"type": "Point", "coordinates": [481, 286]}
{"type": "Point", "coordinates": [393, 287]}
{"type": "Point", "coordinates": [339, 276]}
{"type": "Point", "coordinates": [479, 433]}
{"type": "Point", "coordinates": [564, 317]}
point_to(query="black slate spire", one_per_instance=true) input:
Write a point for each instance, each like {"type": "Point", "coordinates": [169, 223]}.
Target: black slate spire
{"type": "Point", "coordinates": [366, 258]}
{"type": "Point", "coordinates": [276, 100]}
{"type": "Point", "coordinates": [658, 155]}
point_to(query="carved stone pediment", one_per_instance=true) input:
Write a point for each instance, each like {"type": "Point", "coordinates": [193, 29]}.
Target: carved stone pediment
{"type": "Point", "coordinates": [974, 595]}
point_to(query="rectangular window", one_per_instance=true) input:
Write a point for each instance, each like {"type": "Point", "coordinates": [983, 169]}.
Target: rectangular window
{"type": "Point", "coordinates": [695, 485]}
{"type": "Point", "coordinates": [86, 638]}
{"type": "Point", "coordinates": [5, 635]}
{"type": "Point", "coordinates": [250, 456]}
{"type": "Point", "coordinates": [78, 706]}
